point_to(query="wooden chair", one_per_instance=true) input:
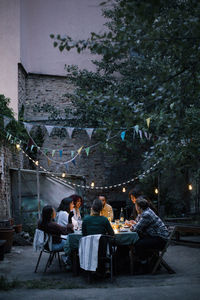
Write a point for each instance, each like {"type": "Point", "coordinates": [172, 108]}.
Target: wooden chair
{"type": "Point", "coordinates": [159, 255]}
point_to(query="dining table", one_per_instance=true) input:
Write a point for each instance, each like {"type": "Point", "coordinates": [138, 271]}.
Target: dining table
{"type": "Point", "coordinates": [122, 237]}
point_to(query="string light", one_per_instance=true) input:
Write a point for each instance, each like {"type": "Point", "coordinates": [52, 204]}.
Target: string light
{"type": "Point", "coordinates": [190, 187]}
{"type": "Point", "coordinates": [92, 184]}
{"type": "Point", "coordinates": [156, 191]}
{"type": "Point", "coordinates": [18, 146]}
{"type": "Point", "coordinates": [63, 175]}
{"type": "Point", "coordinates": [124, 190]}
{"type": "Point", "coordinates": [37, 163]}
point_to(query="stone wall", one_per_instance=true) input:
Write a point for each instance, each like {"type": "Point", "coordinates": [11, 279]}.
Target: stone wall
{"type": "Point", "coordinates": [9, 158]}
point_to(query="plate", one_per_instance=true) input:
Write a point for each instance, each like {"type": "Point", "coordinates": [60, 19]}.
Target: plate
{"type": "Point", "coordinates": [123, 230]}
{"type": "Point", "coordinates": [126, 226]}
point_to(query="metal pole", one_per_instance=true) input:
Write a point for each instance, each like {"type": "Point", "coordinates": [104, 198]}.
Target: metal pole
{"type": "Point", "coordinates": [159, 193]}
{"type": "Point", "coordinates": [19, 193]}
{"type": "Point", "coordinates": [38, 191]}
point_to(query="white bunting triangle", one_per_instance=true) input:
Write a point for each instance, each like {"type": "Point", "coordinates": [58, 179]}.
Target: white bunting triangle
{"type": "Point", "coordinates": [49, 129]}
{"type": "Point", "coordinates": [89, 132]}
{"type": "Point", "coordinates": [28, 126]}
{"type": "Point", "coordinates": [6, 121]}
{"type": "Point", "coordinates": [70, 131]}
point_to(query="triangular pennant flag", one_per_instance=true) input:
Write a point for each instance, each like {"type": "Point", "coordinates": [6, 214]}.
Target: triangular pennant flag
{"type": "Point", "coordinates": [53, 152]}
{"type": "Point", "coordinates": [79, 150]}
{"type": "Point", "coordinates": [74, 162]}
{"type": "Point", "coordinates": [136, 128]}
{"type": "Point", "coordinates": [140, 133]}
{"type": "Point", "coordinates": [123, 133]}
{"type": "Point", "coordinates": [72, 153]}
{"type": "Point", "coordinates": [70, 131]}
{"type": "Point", "coordinates": [49, 161]}
{"type": "Point", "coordinates": [9, 137]}
{"type": "Point", "coordinates": [89, 131]}
{"type": "Point", "coordinates": [150, 135]}
{"type": "Point", "coordinates": [49, 129]}
{"type": "Point", "coordinates": [67, 167]}
{"type": "Point", "coordinates": [6, 121]}
{"type": "Point", "coordinates": [148, 122]}
{"type": "Point", "coordinates": [87, 150]}
{"type": "Point", "coordinates": [28, 126]}
{"type": "Point", "coordinates": [146, 134]}
{"type": "Point", "coordinates": [60, 152]}
{"type": "Point", "coordinates": [45, 151]}
{"type": "Point", "coordinates": [32, 147]}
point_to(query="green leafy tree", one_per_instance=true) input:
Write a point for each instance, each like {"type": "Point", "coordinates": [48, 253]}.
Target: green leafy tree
{"type": "Point", "coordinates": [149, 67]}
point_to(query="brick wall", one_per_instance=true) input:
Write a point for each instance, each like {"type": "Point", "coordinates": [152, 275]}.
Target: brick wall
{"type": "Point", "coordinates": [44, 90]}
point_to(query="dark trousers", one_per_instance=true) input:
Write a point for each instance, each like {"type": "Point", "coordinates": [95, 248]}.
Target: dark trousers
{"type": "Point", "coordinates": [143, 245]}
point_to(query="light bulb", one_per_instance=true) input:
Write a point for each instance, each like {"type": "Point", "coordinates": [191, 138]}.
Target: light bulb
{"type": "Point", "coordinates": [92, 184]}
{"type": "Point", "coordinates": [124, 190]}
{"type": "Point", "coordinates": [156, 191]}
{"type": "Point", "coordinates": [18, 146]}
{"type": "Point", "coordinates": [37, 162]}
{"type": "Point", "coordinates": [63, 175]}
{"type": "Point", "coordinates": [190, 187]}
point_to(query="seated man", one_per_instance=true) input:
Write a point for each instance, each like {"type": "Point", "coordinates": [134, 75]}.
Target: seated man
{"type": "Point", "coordinates": [107, 210]}
{"type": "Point", "coordinates": [152, 231]}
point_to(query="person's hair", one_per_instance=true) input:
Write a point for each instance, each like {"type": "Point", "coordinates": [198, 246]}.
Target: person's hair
{"type": "Point", "coordinates": [64, 204]}
{"type": "Point", "coordinates": [46, 214]}
{"type": "Point", "coordinates": [135, 192]}
{"type": "Point", "coordinates": [75, 199]}
{"type": "Point", "coordinates": [97, 205]}
{"type": "Point", "coordinates": [142, 203]}
{"type": "Point", "coordinates": [104, 197]}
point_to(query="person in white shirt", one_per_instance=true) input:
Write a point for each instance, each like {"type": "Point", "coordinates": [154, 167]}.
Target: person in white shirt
{"type": "Point", "coordinates": [78, 202]}
{"type": "Point", "coordinates": [65, 213]}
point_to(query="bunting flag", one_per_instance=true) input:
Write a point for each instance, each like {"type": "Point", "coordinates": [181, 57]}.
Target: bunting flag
{"type": "Point", "coordinates": [87, 150]}
{"type": "Point", "coordinates": [60, 152]}
{"type": "Point", "coordinates": [150, 135]}
{"type": "Point", "coordinates": [79, 150]}
{"type": "Point", "coordinates": [45, 151]}
{"type": "Point", "coordinates": [49, 129]}
{"type": "Point", "coordinates": [28, 126]}
{"type": "Point", "coordinates": [140, 133]}
{"type": "Point", "coordinates": [70, 131]}
{"type": "Point", "coordinates": [136, 127]}
{"type": "Point", "coordinates": [32, 146]}
{"type": "Point", "coordinates": [6, 121]}
{"type": "Point", "coordinates": [146, 135]}
{"type": "Point", "coordinates": [123, 133]}
{"type": "Point", "coordinates": [53, 153]}
{"type": "Point", "coordinates": [74, 162]}
{"type": "Point", "coordinates": [72, 153]}
{"type": "Point", "coordinates": [89, 132]}
{"type": "Point", "coordinates": [148, 122]}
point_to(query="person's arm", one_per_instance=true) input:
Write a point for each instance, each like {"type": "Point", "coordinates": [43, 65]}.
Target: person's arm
{"type": "Point", "coordinates": [56, 229]}
{"type": "Point", "coordinates": [109, 229]}
{"type": "Point", "coordinates": [111, 213]}
{"type": "Point", "coordinates": [144, 221]}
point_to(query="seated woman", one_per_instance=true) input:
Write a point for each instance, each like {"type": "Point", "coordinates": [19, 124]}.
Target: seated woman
{"type": "Point", "coordinates": [65, 213]}
{"type": "Point", "coordinates": [152, 231]}
{"type": "Point", "coordinates": [78, 202]}
{"type": "Point", "coordinates": [48, 225]}
{"type": "Point", "coordinates": [96, 224]}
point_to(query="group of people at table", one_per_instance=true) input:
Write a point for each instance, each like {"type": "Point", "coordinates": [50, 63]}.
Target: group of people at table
{"type": "Point", "coordinates": [152, 232]}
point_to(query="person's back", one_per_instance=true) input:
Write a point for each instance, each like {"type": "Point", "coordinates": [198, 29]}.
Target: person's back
{"type": "Point", "coordinates": [96, 225]}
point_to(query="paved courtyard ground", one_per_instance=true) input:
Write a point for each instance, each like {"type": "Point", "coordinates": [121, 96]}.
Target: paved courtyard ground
{"type": "Point", "coordinates": [18, 268]}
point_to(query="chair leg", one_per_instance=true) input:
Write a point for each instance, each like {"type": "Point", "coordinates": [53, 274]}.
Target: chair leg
{"type": "Point", "coordinates": [167, 267]}
{"type": "Point", "coordinates": [60, 265]}
{"type": "Point", "coordinates": [111, 268]}
{"type": "Point", "coordinates": [48, 261]}
{"type": "Point", "coordinates": [38, 261]}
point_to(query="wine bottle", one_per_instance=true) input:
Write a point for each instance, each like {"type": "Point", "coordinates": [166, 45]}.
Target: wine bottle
{"type": "Point", "coordinates": [121, 215]}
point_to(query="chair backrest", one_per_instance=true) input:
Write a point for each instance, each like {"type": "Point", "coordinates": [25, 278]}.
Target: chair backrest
{"type": "Point", "coordinates": [42, 241]}
{"type": "Point", "coordinates": [171, 230]}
